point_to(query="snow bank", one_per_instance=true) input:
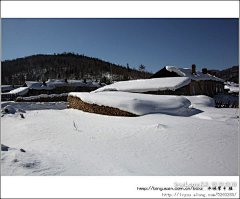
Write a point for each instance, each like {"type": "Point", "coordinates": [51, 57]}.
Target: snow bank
{"type": "Point", "coordinates": [145, 85]}
{"type": "Point", "coordinates": [201, 100]}
{"type": "Point", "coordinates": [233, 87]}
{"type": "Point", "coordinates": [186, 72]}
{"type": "Point", "coordinates": [9, 109]}
{"type": "Point", "coordinates": [20, 91]}
{"type": "Point", "coordinates": [139, 104]}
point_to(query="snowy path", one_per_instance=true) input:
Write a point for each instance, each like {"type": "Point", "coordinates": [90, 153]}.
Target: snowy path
{"type": "Point", "coordinates": [155, 144]}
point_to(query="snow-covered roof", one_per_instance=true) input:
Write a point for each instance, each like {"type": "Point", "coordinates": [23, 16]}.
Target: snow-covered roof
{"type": "Point", "coordinates": [145, 85]}
{"type": "Point", "coordinates": [52, 83]}
{"type": "Point", "coordinates": [9, 87]}
{"type": "Point", "coordinates": [187, 72]}
{"type": "Point", "coordinates": [136, 103]}
{"type": "Point", "coordinates": [56, 82]}
{"type": "Point", "coordinates": [19, 91]}
{"type": "Point", "coordinates": [233, 87]}
{"type": "Point", "coordinates": [93, 84]}
{"type": "Point", "coordinates": [76, 83]}
{"type": "Point", "coordinates": [38, 85]}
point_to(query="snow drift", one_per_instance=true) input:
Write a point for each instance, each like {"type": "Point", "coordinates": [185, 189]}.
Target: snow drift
{"type": "Point", "coordinates": [139, 104]}
{"type": "Point", "coordinates": [232, 87]}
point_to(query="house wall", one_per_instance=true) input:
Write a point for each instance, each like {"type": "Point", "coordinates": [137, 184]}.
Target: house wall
{"type": "Point", "coordinates": [194, 88]}
{"type": "Point", "coordinates": [185, 90]}
{"type": "Point", "coordinates": [209, 88]}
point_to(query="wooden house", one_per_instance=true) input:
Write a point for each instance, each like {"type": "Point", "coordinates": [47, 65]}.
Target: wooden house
{"type": "Point", "coordinates": [55, 86]}
{"type": "Point", "coordinates": [201, 83]}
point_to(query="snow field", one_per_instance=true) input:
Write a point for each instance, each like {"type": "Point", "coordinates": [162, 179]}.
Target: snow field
{"type": "Point", "coordinates": [72, 142]}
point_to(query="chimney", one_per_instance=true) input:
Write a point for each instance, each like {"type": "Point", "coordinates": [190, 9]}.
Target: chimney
{"type": "Point", "coordinates": [66, 80]}
{"type": "Point", "coordinates": [44, 83]}
{"type": "Point", "coordinates": [193, 69]}
{"type": "Point", "coordinates": [204, 71]}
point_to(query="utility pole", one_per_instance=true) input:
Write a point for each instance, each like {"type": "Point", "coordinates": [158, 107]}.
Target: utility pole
{"type": "Point", "coordinates": [111, 71]}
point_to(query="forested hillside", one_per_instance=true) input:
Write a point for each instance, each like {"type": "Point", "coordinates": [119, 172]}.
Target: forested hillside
{"type": "Point", "coordinates": [230, 74]}
{"type": "Point", "coordinates": [66, 66]}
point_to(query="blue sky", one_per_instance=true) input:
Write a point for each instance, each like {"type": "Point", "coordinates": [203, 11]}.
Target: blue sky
{"type": "Point", "coordinates": [155, 43]}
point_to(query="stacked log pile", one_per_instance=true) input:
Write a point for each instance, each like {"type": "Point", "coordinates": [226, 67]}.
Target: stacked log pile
{"type": "Point", "coordinates": [77, 103]}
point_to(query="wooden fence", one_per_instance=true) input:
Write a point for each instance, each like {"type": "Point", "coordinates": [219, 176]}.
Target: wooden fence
{"type": "Point", "coordinates": [226, 101]}
{"type": "Point", "coordinates": [8, 97]}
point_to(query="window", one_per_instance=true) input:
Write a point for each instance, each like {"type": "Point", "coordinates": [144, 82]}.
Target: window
{"type": "Point", "coordinates": [202, 89]}
{"type": "Point", "coordinates": [193, 90]}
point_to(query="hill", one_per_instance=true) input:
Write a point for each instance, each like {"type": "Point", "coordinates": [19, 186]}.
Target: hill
{"type": "Point", "coordinates": [230, 74]}
{"type": "Point", "coordinates": [65, 66]}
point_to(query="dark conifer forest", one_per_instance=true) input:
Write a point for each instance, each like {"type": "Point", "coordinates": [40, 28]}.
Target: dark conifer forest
{"type": "Point", "coordinates": [66, 66]}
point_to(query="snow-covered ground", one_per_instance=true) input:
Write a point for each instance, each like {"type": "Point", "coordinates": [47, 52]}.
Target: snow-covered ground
{"type": "Point", "coordinates": [233, 87]}
{"type": "Point", "coordinates": [60, 141]}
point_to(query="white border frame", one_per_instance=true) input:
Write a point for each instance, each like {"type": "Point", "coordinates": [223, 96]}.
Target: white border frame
{"type": "Point", "coordinates": [120, 9]}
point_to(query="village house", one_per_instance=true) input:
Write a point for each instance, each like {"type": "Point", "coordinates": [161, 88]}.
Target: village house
{"type": "Point", "coordinates": [58, 86]}
{"type": "Point", "coordinates": [52, 86]}
{"type": "Point", "coordinates": [172, 81]}
{"type": "Point", "coordinates": [201, 83]}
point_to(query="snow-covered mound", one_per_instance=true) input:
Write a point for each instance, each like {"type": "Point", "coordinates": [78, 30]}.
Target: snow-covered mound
{"type": "Point", "coordinates": [9, 109]}
{"type": "Point", "coordinates": [145, 85]}
{"type": "Point", "coordinates": [139, 104]}
{"type": "Point", "coordinates": [201, 100]}
{"type": "Point", "coordinates": [233, 87]}
{"type": "Point", "coordinates": [186, 72]}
